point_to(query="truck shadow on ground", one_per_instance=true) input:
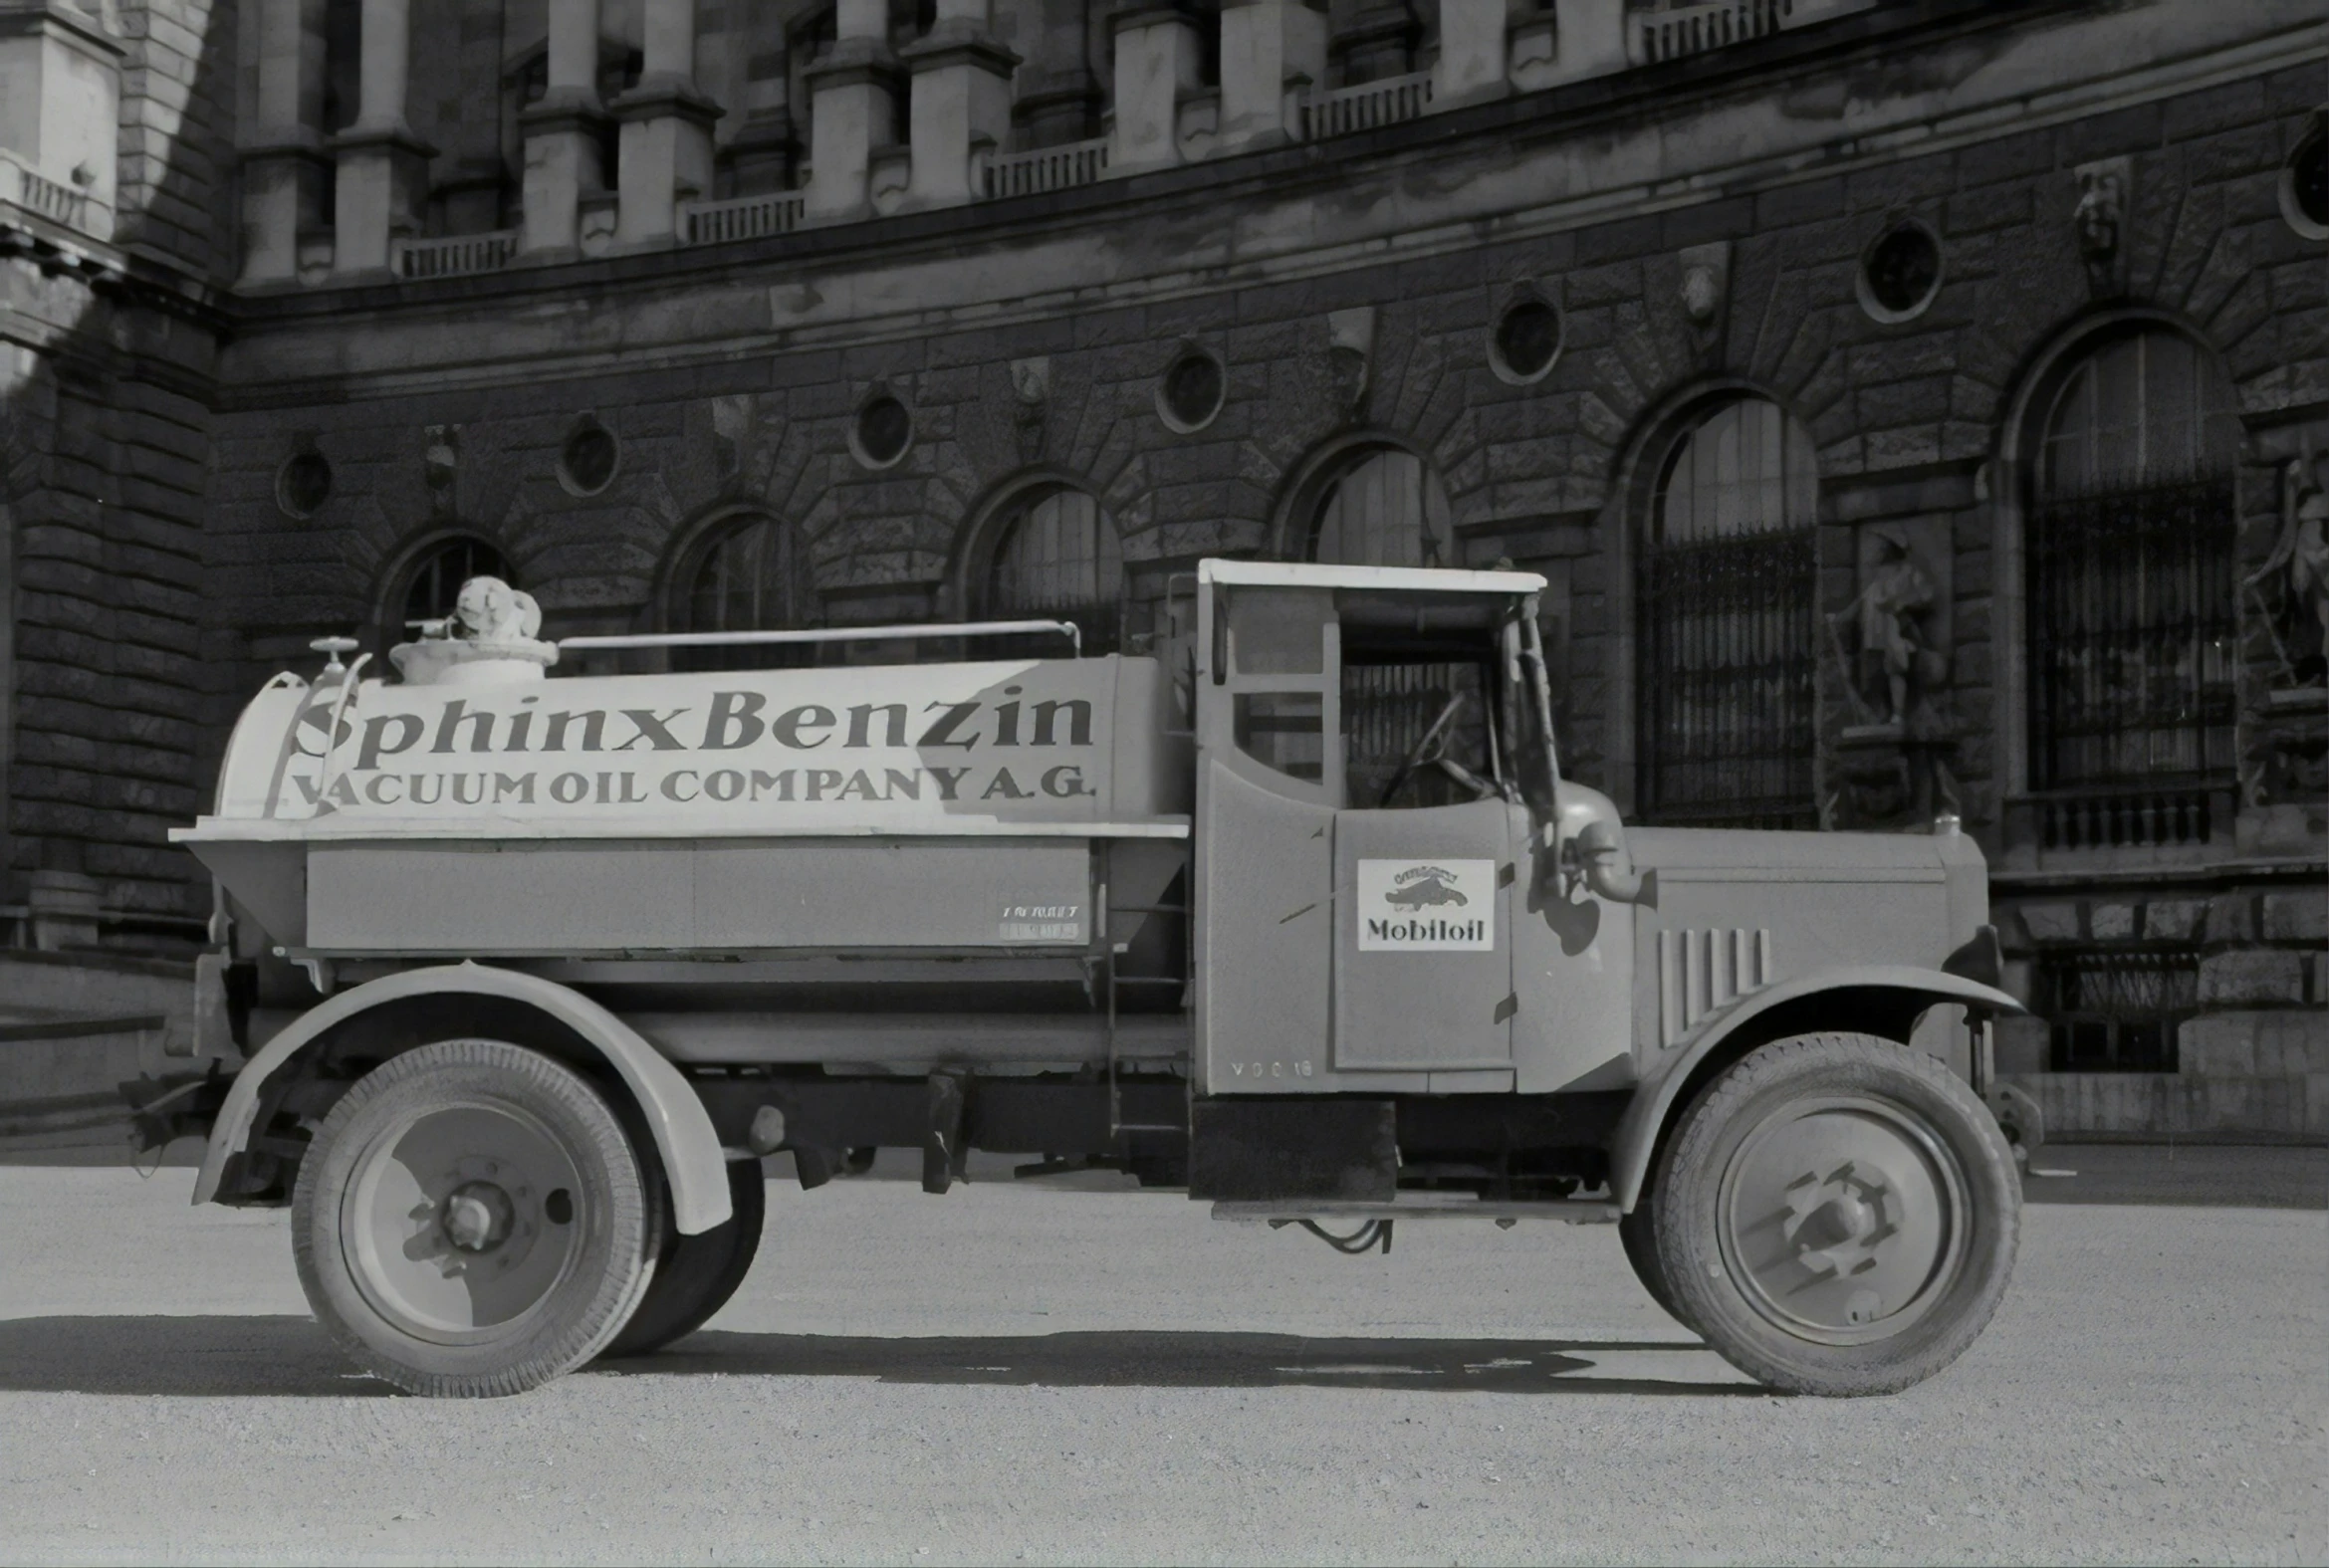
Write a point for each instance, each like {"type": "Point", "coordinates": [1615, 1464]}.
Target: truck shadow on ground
{"type": "Point", "coordinates": [286, 1356]}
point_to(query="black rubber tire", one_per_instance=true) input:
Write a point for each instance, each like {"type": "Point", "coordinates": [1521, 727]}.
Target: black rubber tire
{"type": "Point", "coordinates": [698, 1274]}
{"type": "Point", "coordinates": [1875, 1081]}
{"type": "Point", "coordinates": [609, 1231]}
{"type": "Point", "coordinates": [1638, 1233]}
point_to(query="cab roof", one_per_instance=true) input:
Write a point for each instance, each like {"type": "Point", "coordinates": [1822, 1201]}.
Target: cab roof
{"type": "Point", "coordinates": [1408, 580]}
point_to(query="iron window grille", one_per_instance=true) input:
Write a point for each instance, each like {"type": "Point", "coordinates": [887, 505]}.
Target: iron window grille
{"type": "Point", "coordinates": [2116, 1010]}
{"type": "Point", "coordinates": [2132, 639]}
{"type": "Point", "coordinates": [1727, 656]}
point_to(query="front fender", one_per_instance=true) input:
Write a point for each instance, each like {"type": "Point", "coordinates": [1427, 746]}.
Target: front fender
{"type": "Point", "coordinates": [1895, 985]}
{"type": "Point", "coordinates": [690, 1150]}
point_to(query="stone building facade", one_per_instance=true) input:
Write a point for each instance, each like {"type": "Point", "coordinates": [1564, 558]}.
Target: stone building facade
{"type": "Point", "coordinates": [1917, 407]}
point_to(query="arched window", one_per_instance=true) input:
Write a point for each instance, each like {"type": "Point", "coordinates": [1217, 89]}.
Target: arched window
{"type": "Point", "coordinates": [2129, 579]}
{"type": "Point", "coordinates": [750, 575]}
{"type": "Point", "coordinates": [1057, 556]}
{"type": "Point", "coordinates": [432, 582]}
{"type": "Point", "coordinates": [1385, 510]}
{"type": "Point", "coordinates": [1725, 636]}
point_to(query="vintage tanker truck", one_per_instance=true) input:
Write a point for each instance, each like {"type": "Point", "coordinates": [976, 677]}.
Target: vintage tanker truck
{"type": "Point", "coordinates": [526, 971]}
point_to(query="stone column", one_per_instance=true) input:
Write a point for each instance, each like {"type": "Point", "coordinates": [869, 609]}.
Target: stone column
{"type": "Point", "coordinates": [762, 152]}
{"type": "Point", "coordinates": [1271, 50]}
{"type": "Point", "coordinates": [1377, 41]}
{"type": "Point", "coordinates": [665, 149]}
{"type": "Point", "coordinates": [1059, 99]}
{"type": "Point", "coordinates": [1157, 62]}
{"type": "Point", "coordinates": [853, 98]}
{"type": "Point", "coordinates": [1591, 38]}
{"type": "Point", "coordinates": [758, 143]}
{"type": "Point", "coordinates": [383, 166]}
{"type": "Point", "coordinates": [1471, 67]}
{"type": "Point", "coordinates": [561, 132]}
{"type": "Point", "coordinates": [283, 156]}
{"type": "Point", "coordinates": [961, 96]}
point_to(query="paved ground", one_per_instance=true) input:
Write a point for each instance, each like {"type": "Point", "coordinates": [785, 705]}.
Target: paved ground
{"type": "Point", "coordinates": [1106, 1376]}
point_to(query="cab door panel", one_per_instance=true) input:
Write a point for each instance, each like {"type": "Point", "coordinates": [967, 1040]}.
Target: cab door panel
{"type": "Point", "coordinates": [1266, 901]}
{"type": "Point", "coordinates": [1423, 939]}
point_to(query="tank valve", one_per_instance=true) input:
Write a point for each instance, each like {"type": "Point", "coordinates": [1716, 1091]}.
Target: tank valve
{"type": "Point", "coordinates": [331, 648]}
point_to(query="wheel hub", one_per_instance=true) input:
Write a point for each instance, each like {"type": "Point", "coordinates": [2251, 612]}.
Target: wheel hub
{"type": "Point", "coordinates": [462, 1221]}
{"type": "Point", "coordinates": [477, 1216]}
{"type": "Point", "coordinates": [1843, 1219]}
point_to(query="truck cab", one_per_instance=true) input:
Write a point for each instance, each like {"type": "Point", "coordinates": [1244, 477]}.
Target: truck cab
{"type": "Point", "coordinates": [1297, 917]}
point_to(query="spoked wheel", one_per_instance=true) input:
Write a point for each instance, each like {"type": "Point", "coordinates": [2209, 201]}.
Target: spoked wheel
{"type": "Point", "coordinates": [1837, 1215]}
{"type": "Point", "coordinates": [472, 1220]}
{"type": "Point", "coordinates": [698, 1274]}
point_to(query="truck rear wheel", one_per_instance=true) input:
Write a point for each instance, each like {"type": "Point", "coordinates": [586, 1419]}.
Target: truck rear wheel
{"type": "Point", "coordinates": [698, 1274]}
{"type": "Point", "coordinates": [471, 1219]}
{"type": "Point", "coordinates": [1837, 1215]}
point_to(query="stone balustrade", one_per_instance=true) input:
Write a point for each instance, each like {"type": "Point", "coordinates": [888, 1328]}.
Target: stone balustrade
{"type": "Point", "coordinates": [1366, 107]}
{"type": "Point", "coordinates": [922, 126]}
{"type": "Point", "coordinates": [455, 255]}
{"type": "Point", "coordinates": [1652, 36]}
{"type": "Point", "coordinates": [743, 218]}
{"type": "Point", "coordinates": [21, 187]}
{"type": "Point", "coordinates": [1045, 169]}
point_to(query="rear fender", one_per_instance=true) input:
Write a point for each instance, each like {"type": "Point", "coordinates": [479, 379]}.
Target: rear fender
{"type": "Point", "coordinates": [675, 1118]}
{"type": "Point", "coordinates": [1882, 1000]}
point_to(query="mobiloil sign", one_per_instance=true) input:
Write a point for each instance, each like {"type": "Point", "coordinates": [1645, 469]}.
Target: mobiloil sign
{"type": "Point", "coordinates": [1426, 906]}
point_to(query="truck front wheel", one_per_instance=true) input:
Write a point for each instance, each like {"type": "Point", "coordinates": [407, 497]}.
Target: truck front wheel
{"type": "Point", "coordinates": [1837, 1215]}
{"type": "Point", "coordinates": [471, 1219]}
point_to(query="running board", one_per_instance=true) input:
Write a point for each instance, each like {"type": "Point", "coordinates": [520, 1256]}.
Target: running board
{"type": "Point", "coordinates": [1421, 1206]}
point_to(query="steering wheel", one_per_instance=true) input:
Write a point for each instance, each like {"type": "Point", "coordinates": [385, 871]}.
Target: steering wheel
{"type": "Point", "coordinates": [1433, 749]}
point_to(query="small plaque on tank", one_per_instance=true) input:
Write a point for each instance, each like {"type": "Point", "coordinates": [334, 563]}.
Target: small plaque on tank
{"type": "Point", "coordinates": [1041, 923]}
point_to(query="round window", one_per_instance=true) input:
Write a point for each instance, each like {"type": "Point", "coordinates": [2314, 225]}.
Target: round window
{"type": "Point", "coordinates": [1526, 340]}
{"type": "Point", "coordinates": [1900, 273]}
{"type": "Point", "coordinates": [1190, 392]}
{"type": "Point", "coordinates": [2304, 183]}
{"type": "Point", "coordinates": [586, 464]}
{"type": "Point", "coordinates": [304, 484]}
{"type": "Point", "coordinates": [885, 431]}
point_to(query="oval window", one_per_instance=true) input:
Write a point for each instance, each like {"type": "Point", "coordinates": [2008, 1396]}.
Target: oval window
{"type": "Point", "coordinates": [884, 430]}
{"type": "Point", "coordinates": [1526, 340]}
{"type": "Point", "coordinates": [1191, 391]}
{"type": "Point", "coordinates": [1900, 273]}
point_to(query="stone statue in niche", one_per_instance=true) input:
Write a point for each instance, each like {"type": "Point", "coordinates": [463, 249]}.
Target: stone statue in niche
{"type": "Point", "coordinates": [1896, 664]}
{"type": "Point", "coordinates": [440, 467]}
{"type": "Point", "coordinates": [731, 435]}
{"type": "Point", "coordinates": [1350, 351]}
{"type": "Point", "coordinates": [1031, 389]}
{"type": "Point", "coordinates": [2100, 223]}
{"type": "Point", "coordinates": [1891, 765]}
{"type": "Point", "coordinates": [2299, 568]}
